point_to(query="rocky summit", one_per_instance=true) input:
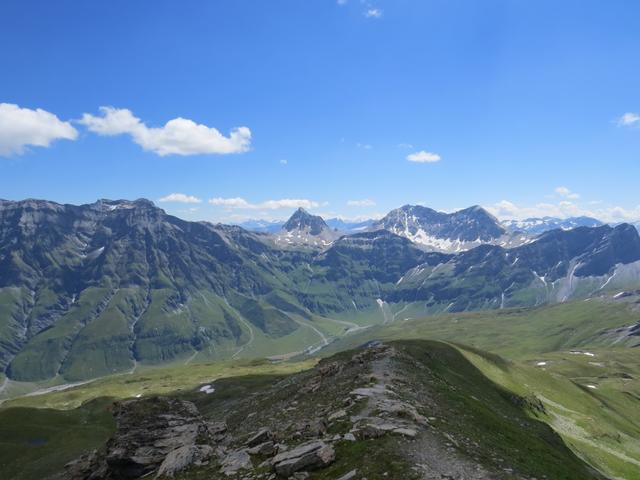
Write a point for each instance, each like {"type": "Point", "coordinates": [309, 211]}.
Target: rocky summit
{"type": "Point", "coordinates": [305, 230]}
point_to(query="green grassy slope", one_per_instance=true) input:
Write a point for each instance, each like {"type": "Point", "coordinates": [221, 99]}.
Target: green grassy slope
{"type": "Point", "coordinates": [472, 407]}
{"type": "Point", "coordinates": [595, 408]}
{"type": "Point", "coordinates": [35, 442]}
{"type": "Point", "coordinates": [155, 380]}
{"type": "Point", "coordinates": [516, 332]}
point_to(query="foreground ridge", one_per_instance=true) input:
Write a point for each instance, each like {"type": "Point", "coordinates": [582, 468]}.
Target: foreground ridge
{"type": "Point", "coordinates": [410, 410]}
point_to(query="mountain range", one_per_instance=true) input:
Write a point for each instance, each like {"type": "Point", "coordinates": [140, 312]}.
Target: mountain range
{"type": "Point", "coordinates": [424, 225]}
{"type": "Point", "coordinates": [544, 224]}
{"type": "Point", "coordinates": [94, 289]}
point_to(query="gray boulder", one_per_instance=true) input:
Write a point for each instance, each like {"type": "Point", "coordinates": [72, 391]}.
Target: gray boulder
{"type": "Point", "coordinates": [308, 456]}
{"type": "Point", "coordinates": [182, 457]}
{"type": "Point", "coordinates": [236, 461]}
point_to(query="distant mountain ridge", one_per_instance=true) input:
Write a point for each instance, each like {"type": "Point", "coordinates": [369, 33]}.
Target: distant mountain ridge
{"type": "Point", "coordinates": [540, 225]}
{"type": "Point", "coordinates": [558, 266]}
{"type": "Point", "coordinates": [349, 226]}
{"type": "Point", "coordinates": [446, 232]}
{"type": "Point", "coordinates": [339, 224]}
{"type": "Point", "coordinates": [449, 232]}
{"type": "Point", "coordinates": [94, 289]}
{"type": "Point", "coordinates": [262, 226]}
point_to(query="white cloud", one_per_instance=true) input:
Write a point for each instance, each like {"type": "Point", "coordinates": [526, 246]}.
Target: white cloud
{"type": "Point", "coordinates": [614, 214]}
{"type": "Point", "coordinates": [566, 193]}
{"type": "Point", "coordinates": [180, 198]}
{"type": "Point", "coordinates": [284, 161]}
{"type": "Point", "coordinates": [628, 119]}
{"type": "Point", "coordinates": [424, 157]}
{"type": "Point", "coordinates": [179, 136]}
{"type": "Point", "coordinates": [373, 13]}
{"type": "Point", "coordinates": [289, 203]}
{"type": "Point", "coordinates": [235, 202]}
{"type": "Point", "coordinates": [23, 127]}
{"type": "Point", "coordinates": [361, 203]}
{"type": "Point", "coordinates": [364, 146]}
{"type": "Point", "coordinates": [405, 145]}
{"type": "Point", "coordinates": [342, 2]}
{"type": "Point", "coordinates": [241, 203]}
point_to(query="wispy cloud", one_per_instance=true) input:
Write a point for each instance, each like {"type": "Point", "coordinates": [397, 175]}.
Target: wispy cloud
{"type": "Point", "coordinates": [373, 13]}
{"type": "Point", "coordinates": [241, 203]}
{"type": "Point", "coordinates": [367, 202]}
{"type": "Point", "coordinates": [424, 157]}
{"type": "Point", "coordinates": [628, 119]}
{"type": "Point", "coordinates": [179, 136]}
{"type": "Point", "coordinates": [23, 127]}
{"type": "Point", "coordinates": [284, 161]}
{"type": "Point", "coordinates": [364, 146]}
{"type": "Point", "coordinates": [179, 198]}
{"type": "Point", "coordinates": [566, 193]}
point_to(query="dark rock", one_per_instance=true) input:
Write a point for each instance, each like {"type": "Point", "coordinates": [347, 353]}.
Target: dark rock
{"type": "Point", "coordinates": [312, 455]}
{"type": "Point", "coordinates": [263, 435]}
{"type": "Point", "coordinates": [265, 449]}
{"type": "Point", "coordinates": [183, 457]}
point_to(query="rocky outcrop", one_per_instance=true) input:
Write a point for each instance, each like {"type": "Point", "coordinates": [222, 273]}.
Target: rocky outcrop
{"type": "Point", "coordinates": [154, 434]}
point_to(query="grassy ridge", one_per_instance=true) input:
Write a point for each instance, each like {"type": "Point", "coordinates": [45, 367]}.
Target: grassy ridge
{"type": "Point", "coordinates": [471, 406]}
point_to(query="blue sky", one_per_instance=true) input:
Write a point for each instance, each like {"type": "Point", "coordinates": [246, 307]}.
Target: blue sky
{"type": "Point", "coordinates": [255, 107]}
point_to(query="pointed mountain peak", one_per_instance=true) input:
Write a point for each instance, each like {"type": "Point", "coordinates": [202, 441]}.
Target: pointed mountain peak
{"type": "Point", "coordinates": [303, 220]}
